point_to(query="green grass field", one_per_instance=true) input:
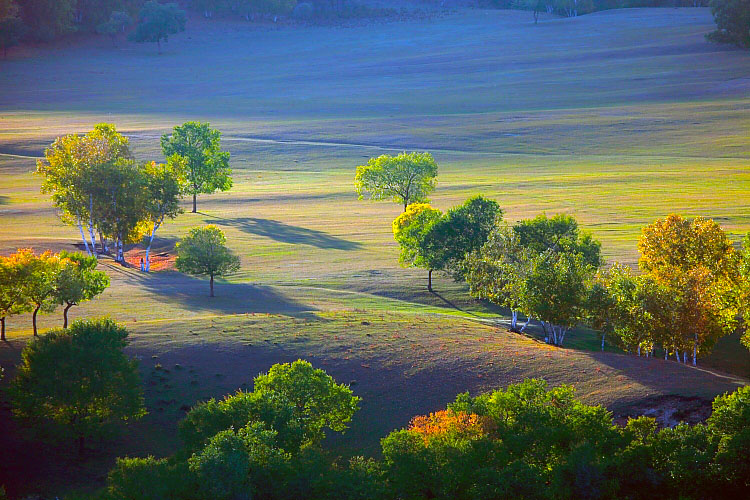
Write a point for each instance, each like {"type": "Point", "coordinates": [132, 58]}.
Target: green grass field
{"type": "Point", "coordinates": [618, 117]}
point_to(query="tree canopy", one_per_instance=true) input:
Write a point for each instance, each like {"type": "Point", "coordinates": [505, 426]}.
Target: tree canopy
{"type": "Point", "coordinates": [203, 252]}
{"type": "Point", "coordinates": [732, 19]}
{"type": "Point", "coordinates": [75, 383]}
{"type": "Point", "coordinates": [405, 178]}
{"type": "Point", "coordinates": [198, 147]}
{"type": "Point", "coordinates": [156, 21]}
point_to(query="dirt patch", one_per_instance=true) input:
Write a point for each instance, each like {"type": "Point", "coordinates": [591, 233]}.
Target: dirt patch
{"type": "Point", "coordinates": [162, 261]}
{"type": "Point", "coordinates": [668, 411]}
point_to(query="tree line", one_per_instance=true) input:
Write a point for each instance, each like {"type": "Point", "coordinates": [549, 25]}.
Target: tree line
{"type": "Point", "coordinates": [525, 441]}
{"type": "Point", "coordinates": [46, 20]}
{"type": "Point", "coordinates": [43, 282]}
{"type": "Point", "coordinates": [692, 286]}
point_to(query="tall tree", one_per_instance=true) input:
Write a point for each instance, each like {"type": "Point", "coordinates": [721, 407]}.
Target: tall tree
{"type": "Point", "coordinates": [405, 178]}
{"type": "Point", "coordinates": [13, 275]}
{"type": "Point", "coordinates": [732, 19]}
{"type": "Point", "coordinates": [164, 186]}
{"type": "Point", "coordinates": [203, 252]}
{"type": "Point", "coordinates": [48, 19]}
{"type": "Point", "coordinates": [78, 281]}
{"type": "Point", "coordinates": [198, 146]}
{"type": "Point", "coordinates": [116, 24]}
{"type": "Point", "coordinates": [696, 261]}
{"type": "Point", "coordinates": [409, 230]}
{"type": "Point", "coordinates": [77, 382]}
{"type": "Point", "coordinates": [76, 171]}
{"type": "Point", "coordinates": [11, 25]}
{"type": "Point", "coordinates": [156, 21]}
{"type": "Point", "coordinates": [41, 274]}
{"type": "Point", "coordinates": [462, 230]}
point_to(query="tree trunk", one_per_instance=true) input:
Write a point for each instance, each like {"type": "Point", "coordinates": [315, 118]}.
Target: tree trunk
{"type": "Point", "coordinates": [211, 284]}
{"type": "Point", "coordinates": [528, 319]}
{"type": "Point", "coordinates": [2, 328]}
{"type": "Point", "coordinates": [513, 320]}
{"type": "Point", "coordinates": [83, 235]}
{"type": "Point", "coordinates": [65, 315]}
{"type": "Point", "coordinates": [603, 342]}
{"type": "Point", "coordinates": [33, 319]}
{"type": "Point", "coordinates": [195, 203]}
{"type": "Point", "coordinates": [695, 351]}
{"type": "Point", "coordinates": [429, 280]}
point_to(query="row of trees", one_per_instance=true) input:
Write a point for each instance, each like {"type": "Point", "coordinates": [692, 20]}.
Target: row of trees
{"type": "Point", "coordinates": [692, 287]}
{"type": "Point", "coordinates": [100, 188]}
{"type": "Point", "coordinates": [42, 282]}
{"type": "Point", "coordinates": [49, 19]}
{"type": "Point", "coordinates": [527, 441]}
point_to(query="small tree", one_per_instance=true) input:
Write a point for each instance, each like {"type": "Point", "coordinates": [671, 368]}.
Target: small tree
{"type": "Point", "coordinates": [78, 281]}
{"type": "Point", "coordinates": [405, 178]}
{"type": "Point", "coordinates": [198, 147]}
{"type": "Point", "coordinates": [732, 19]}
{"type": "Point", "coordinates": [409, 230]}
{"type": "Point", "coordinates": [203, 252]}
{"type": "Point", "coordinates": [78, 382]}
{"type": "Point", "coordinates": [117, 23]}
{"type": "Point", "coordinates": [39, 286]}
{"type": "Point", "coordinates": [12, 30]}
{"type": "Point", "coordinates": [12, 282]}
{"type": "Point", "coordinates": [164, 185]}
{"type": "Point", "coordinates": [156, 21]}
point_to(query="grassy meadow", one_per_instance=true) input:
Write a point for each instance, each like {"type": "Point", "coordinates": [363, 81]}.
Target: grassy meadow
{"type": "Point", "coordinates": [617, 117]}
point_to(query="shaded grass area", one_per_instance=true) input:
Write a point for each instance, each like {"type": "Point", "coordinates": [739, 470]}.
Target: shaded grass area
{"type": "Point", "coordinates": [401, 364]}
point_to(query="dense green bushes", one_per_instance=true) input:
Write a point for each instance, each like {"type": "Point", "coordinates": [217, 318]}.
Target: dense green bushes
{"type": "Point", "coordinates": [528, 441]}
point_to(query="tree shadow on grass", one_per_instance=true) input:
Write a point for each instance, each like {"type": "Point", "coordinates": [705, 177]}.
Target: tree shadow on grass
{"type": "Point", "coordinates": [231, 298]}
{"type": "Point", "coordinates": [286, 233]}
{"type": "Point", "coordinates": [4, 200]}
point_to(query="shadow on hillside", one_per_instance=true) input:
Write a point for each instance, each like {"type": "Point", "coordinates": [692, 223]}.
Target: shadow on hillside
{"type": "Point", "coordinates": [668, 376]}
{"type": "Point", "coordinates": [286, 233]}
{"type": "Point", "coordinates": [231, 298]}
{"type": "Point", "coordinates": [4, 200]}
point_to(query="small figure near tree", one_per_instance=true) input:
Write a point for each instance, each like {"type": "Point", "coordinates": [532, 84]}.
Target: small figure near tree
{"type": "Point", "coordinates": [76, 383]}
{"type": "Point", "coordinates": [156, 21]}
{"type": "Point", "coordinates": [198, 148]}
{"type": "Point", "coordinates": [405, 178]}
{"type": "Point", "coordinates": [203, 252]}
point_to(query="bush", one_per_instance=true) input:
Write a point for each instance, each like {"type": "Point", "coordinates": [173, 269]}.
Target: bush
{"type": "Point", "coordinates": [147, 479]}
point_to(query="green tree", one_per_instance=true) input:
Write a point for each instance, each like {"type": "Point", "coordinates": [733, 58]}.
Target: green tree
{"type": "Point", "coordinates": [405, 178]}
{"type": "Point", "coordinates": [164, 187]}
{"type": "Point", "coordinates": [156, 21]}
{"type": "Point", "coordinates": [559, 233]}
{"type": "Point", "coordinates": [13, 275]}
{"type": "Point", "coordinates": [117, 23]}
{"type": "Point", "coordinates": [41, 273]}
{"type": "Point", "coordinates": [462, 230]}
{"type": "Point", "coordinates": [555, 291]}
{"type": "Point", "coordinates": [12, 28]}
{"type": "Point", "coordinates": [203, 252]}
{"type": "Point", "coordinates": [319, 401]}
{"type": "Point", "coordinates": [409, 231]}
{"type": "Point", "coordinates": [48, 19]}
{"type": "Point", "coordinates": [78, 382]}
{"type": "Point", "coordinates": [78, 281]}
{"type": "Point", "coordinates": [198, 146]}
{"type": "Point", "coordinates": [497, 272]}
{"type": "Point", "coordinates": [732, 19]}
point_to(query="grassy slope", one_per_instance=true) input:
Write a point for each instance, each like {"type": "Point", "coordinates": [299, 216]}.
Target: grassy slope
{"type": "Point", "coordinates": [618, 118]}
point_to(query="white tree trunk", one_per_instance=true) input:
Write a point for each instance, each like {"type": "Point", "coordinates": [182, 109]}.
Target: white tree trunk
{"type": "Point", "coordinates": [148, 249]}
{"type": "Point", "coordinates": [513, 319]}
{"type": "Point", "coordinates": [83, 235]}
{"type": "Point", "coordinates": [91, 223]}
{"type": "Point", "coordinates": [695, 350]}
{"type": "Point", "coordinates": [525, 324]}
